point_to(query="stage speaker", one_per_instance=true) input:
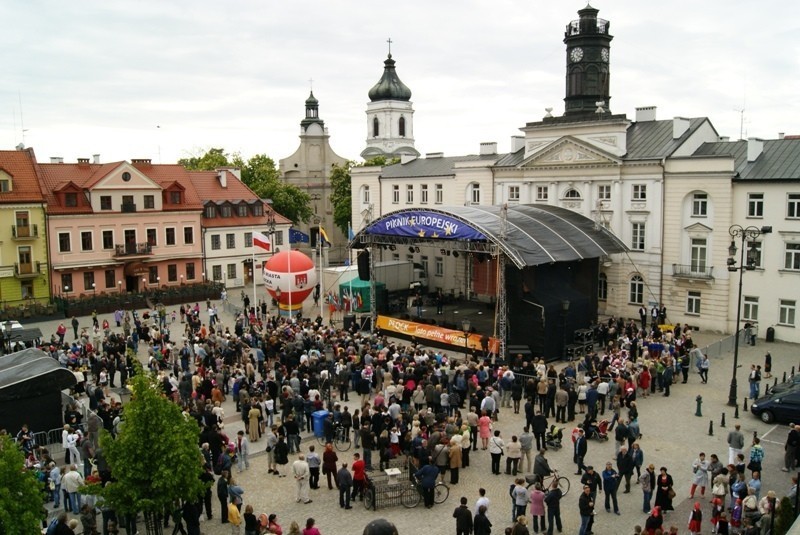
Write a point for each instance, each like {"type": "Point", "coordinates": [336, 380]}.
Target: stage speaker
{"type": "Point", "coordinates": [363, 265]}
{"type": "Point", "coordinates": [349, 320]}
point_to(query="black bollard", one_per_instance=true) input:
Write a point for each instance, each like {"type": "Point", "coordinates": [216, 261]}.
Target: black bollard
{"type": "Point", "coordinates": [784, 377]}
{"type": "Point", "coordinates": [775, 383]}
{"type": "Point", "coordinates": [722, 423]}
{"type": "Point", "coordinates": [736, 412]}
{"type": "Point", "coordinates": [711, 428]}
{"type": "Point", "coordinates": [745, 404]}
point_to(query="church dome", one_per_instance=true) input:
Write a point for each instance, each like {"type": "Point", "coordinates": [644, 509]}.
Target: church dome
{"type": "Point", "coordinates": [311, 100]}
{"type": "Point", "coordinates": [389, 87]}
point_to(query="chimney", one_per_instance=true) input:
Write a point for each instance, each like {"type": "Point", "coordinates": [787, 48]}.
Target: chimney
{"type": "Point", "coordinates": [407, 157]}
{"type": "Point", "coordinates": [517, 143]}
{"type": "Point", "coordinates": [235, 171]}
{"type": "Point", "coordinates": [781, 135]}
{"type": "Point", "coordinates": [724, 138]}
{"type": "Point", "coordinates": [431, 155]}
{"type": "Point", "coordinates": [95, 158]}
{"type": "Point", "coordinates": [488, 147]}
{"type": "Point", "coordinates": [56, 159]}
{"type": "Point", "coordinates": [222, 175]}
{"type": "Point", "coordinates": [83, 161]}
{"type": "Point", "coordinates": [645, 113]}
{"type": "Point", "coordinates": [755, 147]}
{"type": "Point", "coordinates": [679, 127]}
{"type": "Point", "coordinates": [141, 161]}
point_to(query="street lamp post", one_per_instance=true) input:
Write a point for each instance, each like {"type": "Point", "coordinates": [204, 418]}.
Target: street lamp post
{"type": "Point", "coordinates": [564, 313]}
{"type": "Point", "coordinates": [465, 326]}
{"type": "Point", "coordinates": [744, 233]}
{"type": "Point", "coordinates": [119, 284]}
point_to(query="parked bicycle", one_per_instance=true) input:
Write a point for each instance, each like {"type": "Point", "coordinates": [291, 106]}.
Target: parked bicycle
{"type": "Point", "coordinates": [413, 494]}
{"type": "Point", "coordinates": [547, 482]}
{"type": "Point", "coordinates": [340, 440]}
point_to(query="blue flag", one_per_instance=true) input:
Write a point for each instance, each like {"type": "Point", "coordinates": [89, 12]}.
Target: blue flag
{"type": "Point", "coordinates": [297, 236]}
{"type": "Point", "coordinates": [350, 233]}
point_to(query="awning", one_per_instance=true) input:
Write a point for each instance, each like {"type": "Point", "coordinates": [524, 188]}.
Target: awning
{"type": "Point", "coordinates": [31, 372]}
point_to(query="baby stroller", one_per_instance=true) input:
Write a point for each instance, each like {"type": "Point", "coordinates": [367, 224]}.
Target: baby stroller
{"type": "Point", "coordinates": [553, 437]}
{"type": "Point", "coordinates": [598, 432]}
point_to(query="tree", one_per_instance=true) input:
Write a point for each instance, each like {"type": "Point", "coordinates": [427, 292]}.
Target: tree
{"type": "Point", "coordinates": [20, 492]}
{"type": "Point", "coordinates": [341, 183]}
{"type": "Point", "coordinates": [154, 459]}
{"type": "Point", "coordinates": [262, 176]}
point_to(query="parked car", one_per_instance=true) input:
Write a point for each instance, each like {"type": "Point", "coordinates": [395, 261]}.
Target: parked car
{"type": "Point", "coordinates": [790, 384]}
{"type": "Point", "coordinates": [781, 407]}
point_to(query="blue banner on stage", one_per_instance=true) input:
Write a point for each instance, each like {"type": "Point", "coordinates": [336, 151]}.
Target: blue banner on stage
{"type": "Point", "coordinates": [421, 224]}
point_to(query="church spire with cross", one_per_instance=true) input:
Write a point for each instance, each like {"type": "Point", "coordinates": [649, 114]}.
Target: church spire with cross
{"type": "Point", "coordinates": [312, 110]}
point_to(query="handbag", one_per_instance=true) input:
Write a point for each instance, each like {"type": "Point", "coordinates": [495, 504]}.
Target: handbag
{"type": "Point", "coordinates": [671, 493]}
{"type": "Point", "coordinates": [754, 466]}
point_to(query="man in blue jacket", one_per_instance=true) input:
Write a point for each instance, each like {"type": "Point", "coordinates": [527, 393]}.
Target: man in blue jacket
{"type": "Point", "coordinates": [426, 476]}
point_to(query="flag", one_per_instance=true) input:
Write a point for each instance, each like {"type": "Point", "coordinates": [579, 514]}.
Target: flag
{"type": "Point", "coordinates": [296, 236]}
{"type": "Point", "coordinates": [324, 237]}
{"type": "Point", "coordinates": [262, 240]}
{"type": "Point", "coordinates": [350, 234]}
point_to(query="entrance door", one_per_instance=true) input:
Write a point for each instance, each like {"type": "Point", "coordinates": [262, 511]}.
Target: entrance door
{"type": "Point", "coordinates": [130, 241]}
{"type": "Point", "coordinates": [25, 265]}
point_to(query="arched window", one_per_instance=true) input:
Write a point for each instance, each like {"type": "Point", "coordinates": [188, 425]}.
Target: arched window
{"type": "Point", "coordinates": [602, 287]}
{"type": "Point", "coordinates": [637, 290]}
{"type": "Point", "coordinates": [375, 127]}
{"type": "Point", "coordinates": [572, 194]}
{"type": "Point", "coordinates": [402, 126]}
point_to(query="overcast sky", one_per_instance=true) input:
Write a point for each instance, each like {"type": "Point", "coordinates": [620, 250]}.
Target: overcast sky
{"type": "Point", "coordinates": [164, 79]}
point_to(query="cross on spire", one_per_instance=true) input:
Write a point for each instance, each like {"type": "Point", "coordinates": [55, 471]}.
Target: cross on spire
{"type": "Point", "coordinates": [311, 84]}
{"type": "Point", "coordinates": [389, 40]}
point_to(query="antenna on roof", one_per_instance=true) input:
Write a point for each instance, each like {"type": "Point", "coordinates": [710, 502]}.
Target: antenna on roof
{"type": "Point", "coordinates": [741, 122]}
{"type": "Point", "coordinates": [21, 119]}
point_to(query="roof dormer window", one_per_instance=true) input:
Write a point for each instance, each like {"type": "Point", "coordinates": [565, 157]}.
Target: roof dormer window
{"type": "Point", "coordinates": [225, 210]}
{"type": "Point", "coordinates": [71, 199]}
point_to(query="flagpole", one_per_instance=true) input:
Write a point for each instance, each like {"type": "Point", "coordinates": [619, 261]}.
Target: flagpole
{"type": "Point", "coordinates": [253, 269]}
{"type": "Point", "coordinates": [321, 310]}
{"type": "Point", "coordinates": [289, 267]}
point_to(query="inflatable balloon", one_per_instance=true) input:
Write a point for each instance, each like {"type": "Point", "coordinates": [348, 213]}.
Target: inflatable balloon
{"type": "Point", "coordinates": [289, 277]}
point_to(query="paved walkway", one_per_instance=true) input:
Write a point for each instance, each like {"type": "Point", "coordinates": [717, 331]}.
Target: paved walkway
{"type": "Point", "coordinates": [672, 437]}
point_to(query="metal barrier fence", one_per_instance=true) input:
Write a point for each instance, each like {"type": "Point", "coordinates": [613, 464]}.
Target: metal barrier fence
{"type": "Point", "coordinates": [725, 345]}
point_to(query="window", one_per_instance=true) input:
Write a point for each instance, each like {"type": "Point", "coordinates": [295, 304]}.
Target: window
{"type": "Point", "coordinates": [110, 275]}
{"type": "Point", "coordinates": [225, 210]}
{"type": "Point", "coordinates": [376, 127]}
{"type": "Point", "coordinates": [216, 273]}
{"type": "Point", "coordinates": [409, 193]}
{"type": "Point", "coordinates": [152, 239]}
{"type": "Point", "coordinates": [127, 204]}
{"type": "Point", "coordinates": [409, 258]}
{"type": "Point", "coordinates": [248, 239]}
{"type": "Point", "coordinates": [439, 194]}
{"type": "Point", "coordinates": [175, 197]}
{"type": "Point", "coordinates": [475, 193]}
{"type": "Point", "coordinates": [258, 210]}
{"type": "Point", "coordinates": [604, 192]}
{"type": "Point", "coordinates": [693, 303]}
{"type": "Point", "coordinates": [395, 194]}
{"type": "Point", "coordinates": [700, 205]}
{"type": "Point", "coordinates": [105, 202]}
{"type": "Point", "coordinates": [699, 252]}
{"type": "Point", "coordinates": [210, 212]}
{"type": "Point", "coordinates": [169, 236]}
{"type": "Point", "coordinates": [513, 193]}
{"type": "Point", "coordinates": [190, 271]}
{"type": "Point", "coordinates": [424, 261]}
{"type": "Point", "coordinates": [572, 194]}
{"type": "Point", "coordinates": [423, 193]}
{"type": "Point", "coordinates": [108, 239]}
{"type": "Point", "coordinates": [88, 281]}
{"type": "Point", "coordinates": [637, 236]}
{"type": "Point", "coordinates": [71, 199]}
{"type": "Point", "coordinates": [636, 290]}
{"type": "Point", "coordinates": [439, 266]}
{"type": "Point", "coordinates": [230, 241]}
{"type": "Point", "coordinates": [401, 126]}
{"type": "Point", "coordinates": [639, 192]}
{"type": "Point", "coordinates": [153, 275]}
{"type": "Point", "coordinates": [231, 271]}
{"type": "Point", "coordinates": [542, 193]}
{"type": "Point", "coordinates": [365, 195]}
{"type": "Point", "coordinates": [188, 235]}
{"type": "Point", "coordinates": [395, 256]}
{"type": "Point", "coordinates": [786, 314]}
{"type": "Point", "coordinates": [792, 256]}
{"type": "Point", "coordinates": [86, 240]}
{"type": "Point", "coordinates": [602, 287]}
{"type": "Point", "coordinates": [66, 282]}
{"type": "Point", "coordinates": [278, 236]}
{"type": "Point", "coordinates": [64, 245]}
{"type": "Point", "coordinates": [172, 272]}
{"type": "Point", "coordinates": [793, 206]}
{"type": "Point", "coordinates": [23, 223]}
{"type": "Point", "coordinates": [750, 308]}
{"type": "Point", "coordinates": [149, 202]}
{"type": "Point", "coordinates": [755, 205]}
{"type": "Point", "coordinates": [241, 210]}
{"type": "Point", "coordinates": [5, 185]}
{"type": "Point", "coordinates": [755, 246]}
{"type": "Point", "coordinates": [216, 242]}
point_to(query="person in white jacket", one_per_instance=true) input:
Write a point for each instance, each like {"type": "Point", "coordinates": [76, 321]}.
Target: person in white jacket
{"type": "Point", "coordinates": [242, 451]}
{"type": "Point", "coordinates": [301, 473]}
{"type": "Point", "coordinates": [72, 445]}
{"type": "Point", "coordinates": [71, 482]}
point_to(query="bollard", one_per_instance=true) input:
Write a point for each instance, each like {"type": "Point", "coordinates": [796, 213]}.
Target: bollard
{"type": "Point", "coordinates": [699, 400]}
{"type": "Point", "coordinates": [736, 412]}
{"type": "Point", "coordinates": [722, 423]}
{"type": "Point", "coordinates": [784, 377]}
{"type": "Point", "coordinates": [792, 370]}
{"type": "Point", "coordinates": [755, 434]}
{"type": "Point", "coordinates": [711, 428]}
{"type": "Point", "coordinates": [775, 383]}
{"type": "Point", "coordinates": [745, 404]}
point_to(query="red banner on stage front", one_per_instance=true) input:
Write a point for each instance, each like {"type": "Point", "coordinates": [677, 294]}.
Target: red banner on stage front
{"type": "Point", "coordinates": [434, 333]}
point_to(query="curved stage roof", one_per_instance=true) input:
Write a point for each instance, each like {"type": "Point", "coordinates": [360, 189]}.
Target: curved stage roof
{"type": "Point", "coordinates": [535, 234]}
{"type": "Point", "coordinates": [32, 372]}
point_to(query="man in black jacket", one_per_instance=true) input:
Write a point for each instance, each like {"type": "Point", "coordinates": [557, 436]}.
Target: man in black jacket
{"type": "Point", "coordinates": [625, 467]}
{"type": "Point", "coordinates": [586, 507]}
{"type": "Point", "coordinates": [539, 429]}
{"type": "Point", "coordinates": [463, 517]}
{"type": "Point", "coordinates": [580, 451]}
{"type": "Point", "coordinates": [222, 494]}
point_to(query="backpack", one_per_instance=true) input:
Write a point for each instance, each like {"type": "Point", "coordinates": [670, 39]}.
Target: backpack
{"type": "Point", "coordinates": [51, 528]}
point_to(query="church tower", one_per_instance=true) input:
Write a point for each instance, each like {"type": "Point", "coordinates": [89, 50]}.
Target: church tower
{"type": "Point", "coordinates": [390, 116]}
{"type": "Point", "coordinates": [588, 48]}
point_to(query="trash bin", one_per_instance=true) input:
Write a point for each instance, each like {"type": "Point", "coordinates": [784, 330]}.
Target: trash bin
{"type": "Point", "coordinates": [770, 334]}
{"type": "Point", "coordinates": [318, 419]}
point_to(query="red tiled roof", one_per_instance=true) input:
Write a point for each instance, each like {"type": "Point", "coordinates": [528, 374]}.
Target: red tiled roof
{"type": "Point", "coordinates": [21, 165]}
{"type": "Point", "coordinates": [165, 175]}
{"type": "Point", "coordinates": [207, 185]}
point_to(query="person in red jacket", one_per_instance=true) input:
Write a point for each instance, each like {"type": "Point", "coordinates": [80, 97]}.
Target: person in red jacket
{"type": "Point", "coordinates": [359, 477]}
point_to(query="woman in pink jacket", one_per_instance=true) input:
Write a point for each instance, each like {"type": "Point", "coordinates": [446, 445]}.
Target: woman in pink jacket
{"type": "Point", "coordinates": [537, 508]}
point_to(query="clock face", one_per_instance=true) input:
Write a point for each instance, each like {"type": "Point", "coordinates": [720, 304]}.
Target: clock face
{"type": "Point", "coordinates": [576, 54]}
{"type": "Point", "coordinates": [604, 54]}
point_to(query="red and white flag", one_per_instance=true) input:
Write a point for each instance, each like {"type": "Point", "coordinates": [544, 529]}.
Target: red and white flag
{"type": "Point", "coordinates": [262, 240]}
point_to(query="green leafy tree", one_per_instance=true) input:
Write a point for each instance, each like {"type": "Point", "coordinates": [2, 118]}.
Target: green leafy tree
{"type": "Point", "coordinates": [341, 184]}
{"type": "Point", "coordinates": [21, 495]}
{"type": "Point", "coordinates": [208, 161]}
{"type": "Point", "coordinates": [154, 459]}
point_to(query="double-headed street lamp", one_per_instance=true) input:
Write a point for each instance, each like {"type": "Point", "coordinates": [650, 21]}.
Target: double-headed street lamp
{"type": "Point", "coordinates": [745, 233]}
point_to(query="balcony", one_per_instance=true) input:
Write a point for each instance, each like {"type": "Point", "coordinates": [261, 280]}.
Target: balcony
{"type": "Point", "coordinates": [692, 272]}
{"type": "Point", "coordinates": [128, 207]}
{"type": "Point", "coordinates": [30, 270]}
{"type": "Point", "coordinates": [133, 249]}
{"type": "Point", "coordinates": [27, 232]}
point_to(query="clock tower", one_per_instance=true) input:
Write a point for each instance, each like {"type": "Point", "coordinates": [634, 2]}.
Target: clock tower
{"type": "Point", "coordinates": [588, 47]}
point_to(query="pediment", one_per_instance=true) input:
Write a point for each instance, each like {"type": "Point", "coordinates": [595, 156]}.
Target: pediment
{"type": "Point", "coordinates": [698, 227]}
{"type": "Point", "coordinates": [569, 151]}
{"type": "Point", "coordinates": [114, 179]}
{"type": "Point", "coordinates": [68, 187]}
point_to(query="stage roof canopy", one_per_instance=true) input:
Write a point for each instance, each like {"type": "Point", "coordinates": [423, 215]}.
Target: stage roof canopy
{"type": "Point", "coordinates": [534, 234]}
{"type": "Point", "coordinates": [32, 372]}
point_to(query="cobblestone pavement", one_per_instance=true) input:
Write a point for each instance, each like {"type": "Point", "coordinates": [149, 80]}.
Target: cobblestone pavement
{"type": "Point", "coordinates": [672, 437]}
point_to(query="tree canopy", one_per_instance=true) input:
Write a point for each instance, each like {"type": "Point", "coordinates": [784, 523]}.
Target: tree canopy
{"type": "Point", "coordinates": [21, 495]}
{"type": "Point", "coordinates": [261, 175]}
{"type": "Point", "coordinates": [155, 458]}
{"type": "Point", "coordinates": [341, 183]}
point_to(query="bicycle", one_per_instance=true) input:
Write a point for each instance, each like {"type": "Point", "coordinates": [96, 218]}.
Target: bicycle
{"type": "Point", "coordinates": [547, 482]}
{"type": "Point", "coordinates": [340, 441]}
{"type": "Point", "coordinates": [413, 494]}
